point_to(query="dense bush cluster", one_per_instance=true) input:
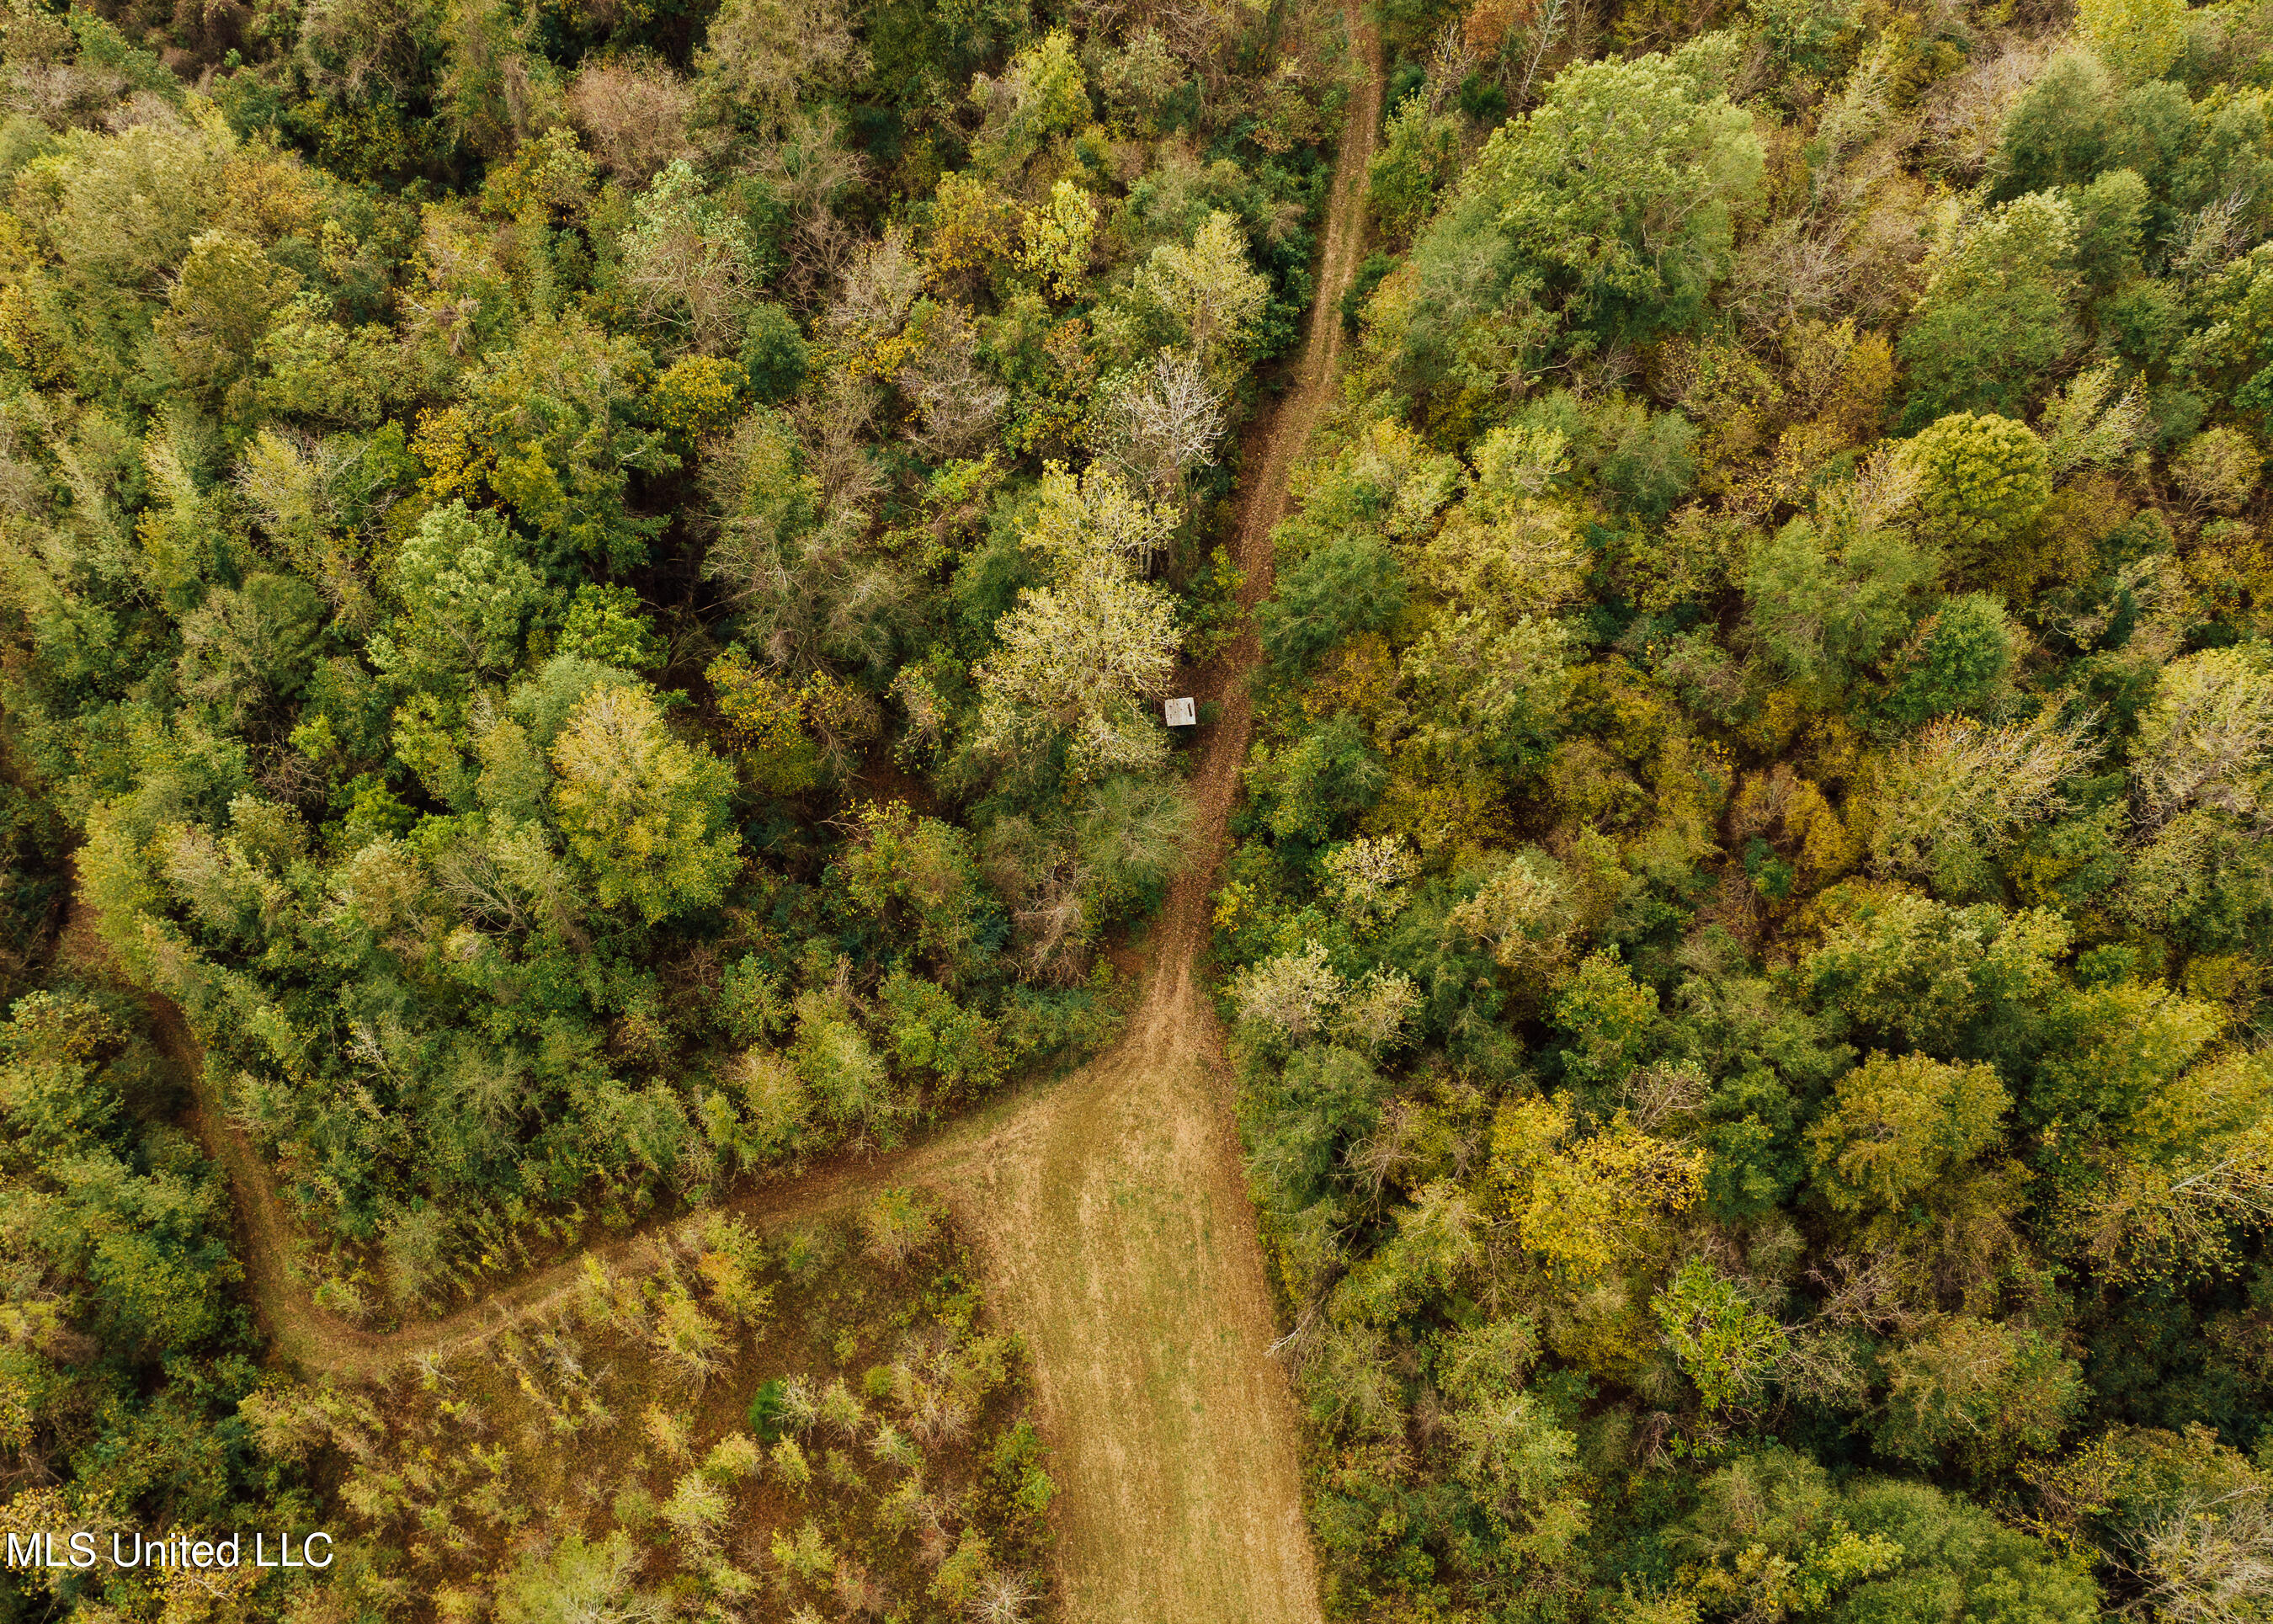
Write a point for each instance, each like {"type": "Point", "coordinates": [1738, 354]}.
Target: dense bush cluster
{"type": "Point", "coordinates": [1751, 909]}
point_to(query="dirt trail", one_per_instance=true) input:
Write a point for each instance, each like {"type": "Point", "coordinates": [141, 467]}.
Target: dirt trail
{"type": "Point", "coordinates": [1110, 1205]}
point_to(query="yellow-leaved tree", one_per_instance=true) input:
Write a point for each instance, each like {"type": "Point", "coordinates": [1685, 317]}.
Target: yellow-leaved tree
{"type": "Point", "coordinates": [1588, 1202]}
{"type": "Point", "coordinates": [644, 814]}
{"type": "Point", "coordinates": [1899, 1123]}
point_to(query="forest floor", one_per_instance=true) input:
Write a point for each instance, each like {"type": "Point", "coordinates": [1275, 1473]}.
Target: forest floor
{"type": "Point", "coordinates": [1109, 1206]}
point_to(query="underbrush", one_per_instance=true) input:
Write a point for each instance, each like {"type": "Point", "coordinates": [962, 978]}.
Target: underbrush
{"type": "Point", "coordinates": [719, 1426]}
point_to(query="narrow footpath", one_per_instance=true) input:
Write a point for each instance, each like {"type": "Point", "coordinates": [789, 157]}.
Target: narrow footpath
{"type": "Point", "coordinates": [1110, 1205]}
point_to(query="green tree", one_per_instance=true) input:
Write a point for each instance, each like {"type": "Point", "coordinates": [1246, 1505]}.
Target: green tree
{"type": "Point", "coordinates": [2138, 39]}
{"type": "Point", "coordinates": [1042, 94]}
{"type": "Point", "coordinates": [644, 815]}
{"type": "Point", "coordinates": [1058, 237]}
{"type": "Point", "coordinates": [1522, 1470]}
{"type": "Point", "coordinates": [1774, 1537]}
{"type": "Point", "coordinates": [1078, 657]}
{"type": "Point", "coordinates": [1981, 481]}
{"type": "Point", "coordinates": [1985, 1391]}
{"type": "Point", "coordinates": [917, 876]}
{"type": "Point", "coordinates": [218, 309]}
{"type": "Point", "coordinates": [1724, 1342]}
{"type": "Point", "coordinates": [1995, 315]}
{"type": "Point", "coordinates": [603, 625]}
{"type": "Point", "coordinates": [1606, 1014]}
{"type": "Point", "coordinates": [1210, 296]}
{"type": "Point", "coordinates": [581, 1583]}
{"type": "Point", "coordinates": [2061, 131]}
{"type": "Point", "coordinates": [554, 428]}
{"type": "Point", "coordinates": [1419, 157]}
{"type": "Point", "coordinates": [1828, 599]}
{"type": "Point", "coordinates": [774, 355]}
{"type": "Point", "coordinates": [1349, 586]}
{"type": "Point", "coordinates": [467, 596]}
{"type": "Point", "coordinates": [1959, 660]}
{"type": "Point", "coordinates": [1616, 195]}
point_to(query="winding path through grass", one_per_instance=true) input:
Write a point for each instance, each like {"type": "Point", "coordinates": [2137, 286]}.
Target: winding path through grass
{"type": "Point", "coordinates": [1110, 1204]}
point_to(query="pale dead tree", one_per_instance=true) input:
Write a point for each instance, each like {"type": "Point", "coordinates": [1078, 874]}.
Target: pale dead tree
{"type": "Point", "coordinates": [144, 106]}
{"type": "Point", "coordinates": [452, 261]}
{"type": "Point", "coordinates": [1004, 1598]}
{"type": "Point", "coordinates": [1451, 60]}
{"type": "Point", "coordinates": [359, 46]}
{"type": "Point", "coordinates": [1194, 31]}
{"type": "Point", "coordinates": [1052, 922]}
{"type": "Point", "coordinates": [1162, 423]}
{"type": "Point", "coordinates": [2155, 586]}
{"type": "Point", "coordinates": [490, 98]}
{"type": "Point", "coordinates": [957, 405]}
{"type": "Point", "coordinates": [1655, 1095]}
{"type": "Point", "coordinates": [688, 262]}
{"type": "Point", "coordinates": [1880, 492]}
{"type": "Point", "coordinates": [1100, 19]}
{"type": "Point", "coordinates": [2211, 1175]}
{"type": "Point", "coordinates": [857, 1591]}
{"type": "Point", "coordinates": [1816, 262]}
{"type": "Point", "coordinates": [1289, 994]}
{"type": "Point", "coordinates": [833, 431]}
{"type": "Point", "coordinates": [1785, 274]}
{"type": "Point", "coordinates": [470, 877]}
{"type": "Point", "coordinates": [284, 774]}
{"type": "Point", "coordinates": [1887, 246]}
{"type": "Point", "coordinates": [58, 92]}
{"type": "Point", "coordinates": [634, 115]}
{"type": "Point", "coordinates": [879, 287]}
{"type": "Point", "coordinates": [819, 598]}
{"type": "Point", "coordinates": [937, 1414]}
{"type": "Point", "coordinates": [2204, 741]}
{"type": "Point", "coordinates": [1965, 113]}
{"type": "Point", "coordinates": [1373, 1017]}
{"type": "Point", "coordinates": [1605, 373]}
{"type": "Point", "coordinates": [1822, 1366]}
{"type": "Point", "coordinates": [809, 169]}
{"type": "Point", "coordinates": [2212, 235]}
{"type": "Point", "coordinates": [1865, 1293]}
{"type": "Point", "coordinates": [758, 55]}
{"type": "Point", "coordinates": [1397, 1151]}
{"type": "Point", "coordinates": [2207, 1560]}
{"type": "Point", "coordinates": [1538, 37]}
{"type": "Point", "coordinates": [935, 1530]}
{"type": "Point", "coordinates": [1851, 132]}
{"type": "Point", "coordinates": [1049, 889]}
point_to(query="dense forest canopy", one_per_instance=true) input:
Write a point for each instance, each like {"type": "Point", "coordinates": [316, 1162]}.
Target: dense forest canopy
{"type": "Point", "coordinates": [487, 488]}
{"type": "Point", "coordinates": [585, 594]}
{"type": "Point", "coordinates": [1751, 913]}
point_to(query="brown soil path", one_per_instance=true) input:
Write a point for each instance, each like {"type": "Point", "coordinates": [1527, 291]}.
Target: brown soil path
{"type": "Point", "coordinates": [1110, 1205]}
